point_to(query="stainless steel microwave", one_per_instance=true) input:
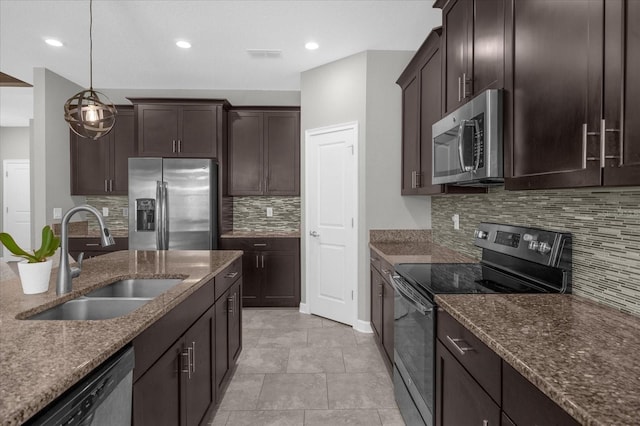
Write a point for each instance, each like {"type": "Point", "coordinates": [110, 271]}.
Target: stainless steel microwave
{"type": "Point", "coordinates": [467, 144]}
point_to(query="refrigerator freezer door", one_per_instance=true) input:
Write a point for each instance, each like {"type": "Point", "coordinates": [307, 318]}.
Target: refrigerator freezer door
{"type": "Point", "coordinates": [191, 193]}
{"type": "Point", "coordinates": [144, 173]}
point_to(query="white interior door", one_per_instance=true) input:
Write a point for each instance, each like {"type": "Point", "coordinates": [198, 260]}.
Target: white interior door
{"type": "Point", "coordinates": [331, 207]}
{"type": "Point", "coordinates": [16, 204]}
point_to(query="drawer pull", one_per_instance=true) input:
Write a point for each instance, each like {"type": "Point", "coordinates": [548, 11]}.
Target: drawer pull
{"type": "Point", "coordinates": [231, 275]}
{"type": "Point", "coordinates": [92, 244]}
{"type": "Point", "coordinates": [385, 271]}
{"type": "Point", "coordinates": [485, 423]}
{"type": "Point", "coordinates": [462, 349]}
{"type": "Point", "coordinates": [259, 244]}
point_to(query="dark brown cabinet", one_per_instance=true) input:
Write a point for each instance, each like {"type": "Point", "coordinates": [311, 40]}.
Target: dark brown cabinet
{"type": "Point", "coordinates": [100, 167]}
{"type": "Point", "coordinates": [91, 246]}
{"type": "Point", "coordinates": [271, 270]}
{"type": "Point", "coordinates": [382, 307]}
{"type": "Point", "coordinates": [569, 92]}
{"type": "Point", "coordinates": [264, 152]}
{"type": "Point", "coordinates": [180, 128]}
{"type": "Point", "coordinates": [473, 43]}
{"type": "Point", "coordinates": [228, 313]}
{"type": "Point", "coordinates": [421, 84]}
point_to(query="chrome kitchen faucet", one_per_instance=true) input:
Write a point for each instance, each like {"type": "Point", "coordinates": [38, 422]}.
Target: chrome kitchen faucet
{"type": "Point", "coordinates": [65, 272]}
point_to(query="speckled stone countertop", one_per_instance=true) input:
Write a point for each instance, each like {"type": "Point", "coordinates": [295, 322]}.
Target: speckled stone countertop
{"type": "Point", "coordinates": [39, 360]}
{"type": "Point", "coordinates": [261, 234]}
{"type": "Point", "coordinates": [417, 252]}
{"type": "Point", "coordinates": [583, 355]}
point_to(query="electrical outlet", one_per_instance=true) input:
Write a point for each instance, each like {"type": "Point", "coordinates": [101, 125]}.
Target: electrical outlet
{"type": "Point", "coordinates": [105, 211]}
{"type": "Point", "coordinates": [456, 221]}
{"type": "Point", "coordinates": [269, 211]}
{"type": "Point", "coordinates": [57, 213]}
{"type": "Point", "coordinates": [125, 212]}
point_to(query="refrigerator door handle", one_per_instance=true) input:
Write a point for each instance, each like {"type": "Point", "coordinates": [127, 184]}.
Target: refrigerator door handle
{"type": "Point", "coordinates": [159, 216]}
{"type": "Point", "coordinates": [165, 218]}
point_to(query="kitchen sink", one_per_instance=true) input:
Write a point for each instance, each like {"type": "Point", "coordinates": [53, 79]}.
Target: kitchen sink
{"type": "Point", "coordinates": [85, 308]}
{"type": "Point", "coordinates": [136, 287]}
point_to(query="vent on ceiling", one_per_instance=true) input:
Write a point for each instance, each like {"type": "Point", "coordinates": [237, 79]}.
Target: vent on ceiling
{"type": "Point", "coordinates": [265, 53]}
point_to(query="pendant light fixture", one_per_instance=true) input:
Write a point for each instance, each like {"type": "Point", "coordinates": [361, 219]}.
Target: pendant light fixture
{"type": "Point", "coordinates": [90, 114]}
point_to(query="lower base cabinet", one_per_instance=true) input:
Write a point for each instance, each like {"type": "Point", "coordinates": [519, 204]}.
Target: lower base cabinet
{"type": "Point", "coordinates": [382, 307]}
{"type": "Point", "coordinates": [185, 359]}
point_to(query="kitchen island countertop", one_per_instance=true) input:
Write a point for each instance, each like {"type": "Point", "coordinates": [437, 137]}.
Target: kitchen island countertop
{"type": "Point", "coordinates": [39, 360]}
{"type": "Point", "coordinates": [581, 354]}
{"type": "Point", "coordinates": [417, 252]}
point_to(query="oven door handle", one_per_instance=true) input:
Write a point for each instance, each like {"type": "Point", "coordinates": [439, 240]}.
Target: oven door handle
{"type": "Point", "coordinates": [400, 287]}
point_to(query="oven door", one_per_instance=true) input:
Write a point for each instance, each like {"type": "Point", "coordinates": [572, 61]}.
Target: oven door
{"type": "Point", "coordinates": [414, 327]}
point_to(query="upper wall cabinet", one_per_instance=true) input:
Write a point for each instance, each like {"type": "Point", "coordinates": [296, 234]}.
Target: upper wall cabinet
{"type": "Point", "coordinates": [100, 167]}
{"type": "Point", "coordinates": [180, 127]}
{"type": "Point", "coordinates": [575, 78]}
{"type": "Point", "coordinates": [264, 152]}
{"type": "Point", "coordinates": [473, 42]}
{"type": "Point", "coordinates": [421, 84]}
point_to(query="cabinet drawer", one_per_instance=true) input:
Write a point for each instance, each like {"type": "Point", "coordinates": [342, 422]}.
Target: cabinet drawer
{"type": "Point", "coordinates": [385, 269]}
{"type": "Point", "coordinates": [93, 244]}
{"type": "Point", "coordinates": [227, 277]}
{"type": "Point", "coordinates": [260, 244]}
{"type": "Point", "coordinates": [375, 260]}
{"type": "Point", "coordinates": [476, 357]}
{"type": "Point", "coordinates": [526, 405]}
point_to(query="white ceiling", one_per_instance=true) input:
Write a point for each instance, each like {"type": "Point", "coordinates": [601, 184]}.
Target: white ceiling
{"type": "Point", "coordinates": [134, 41]}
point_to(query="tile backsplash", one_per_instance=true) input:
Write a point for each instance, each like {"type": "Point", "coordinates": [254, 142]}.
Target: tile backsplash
{"type": "Point", "coordinates": [249, 213]}
{"type": "Point", "coordinates": [605, 224]}
{"type": "Point", "coordinates": [117, 222]}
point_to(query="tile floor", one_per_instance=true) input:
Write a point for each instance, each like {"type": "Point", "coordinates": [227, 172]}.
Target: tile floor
{"type": "Point", "coordinates": [298, 369]}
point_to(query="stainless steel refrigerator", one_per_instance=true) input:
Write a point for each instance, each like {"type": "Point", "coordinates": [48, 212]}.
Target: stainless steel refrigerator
{"type": "Point", "coordinates": [173, 204]}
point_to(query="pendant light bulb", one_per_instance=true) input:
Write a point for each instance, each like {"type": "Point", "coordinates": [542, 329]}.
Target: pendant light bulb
{"type": "Point", "coordinates": [90, 114]}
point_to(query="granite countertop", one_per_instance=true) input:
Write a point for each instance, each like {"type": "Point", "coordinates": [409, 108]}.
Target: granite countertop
{"type": "Point", "coordinates": [417, 252]}
{"type": "Point", "coordinates": [39, 360]}
{"type": "Point", "coordinates": [261, 234]}
{"type": "Point", "coordinates": [582, 355]}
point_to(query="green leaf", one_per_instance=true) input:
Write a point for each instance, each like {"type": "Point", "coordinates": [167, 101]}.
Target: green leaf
{"type": "Point", "coordinates": [13, 247]}
{"type": "Point", "coordinates": [47, 236]}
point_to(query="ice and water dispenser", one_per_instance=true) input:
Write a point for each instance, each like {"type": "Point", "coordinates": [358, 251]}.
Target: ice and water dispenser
{"type": "Point", "coordinates": [145, 214]}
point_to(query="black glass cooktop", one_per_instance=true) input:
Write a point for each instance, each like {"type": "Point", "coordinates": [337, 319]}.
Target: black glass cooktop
{"type": "Point", "coordinates": [461, 278]}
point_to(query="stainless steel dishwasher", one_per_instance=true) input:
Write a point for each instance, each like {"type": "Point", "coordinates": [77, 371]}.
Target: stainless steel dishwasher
{"type": "Point", "coordinates": [103, 397]}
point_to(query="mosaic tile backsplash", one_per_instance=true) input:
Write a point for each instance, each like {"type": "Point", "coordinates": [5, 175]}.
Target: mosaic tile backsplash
{"type": "Point", "coordinates": [605, 224]}
{"type": "Point", "coordinates": [117, 222]}
{"type": "Point", "coordinates": [249, 213]}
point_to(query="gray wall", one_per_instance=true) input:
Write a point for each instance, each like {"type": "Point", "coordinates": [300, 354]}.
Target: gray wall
{"type": "Point", "coordinates": [50, 162]}
{"type": "Point", "coordinates": [362, 88]}
{"type": "Point", "coordinates": [235, 97]}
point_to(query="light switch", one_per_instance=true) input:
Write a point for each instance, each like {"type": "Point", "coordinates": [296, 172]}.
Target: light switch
{"type": "Point", "coordinates": [125, 212]}
{"type": "Point", "coordinates": [57, 213]}
{"type": "Point", "coordinates": [269, 211]}
{"type": "Point", "coordinates": [105, 211]}
{"type": "Point", "coordinates": [456, 221]}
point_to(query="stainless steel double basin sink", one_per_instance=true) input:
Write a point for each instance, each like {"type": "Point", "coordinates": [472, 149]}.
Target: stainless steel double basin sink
{"type": "Point", "coordinates": [114, 300]}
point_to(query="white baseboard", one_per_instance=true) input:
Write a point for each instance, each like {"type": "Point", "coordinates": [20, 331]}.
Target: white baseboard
{"type": "Point", "coordinates": [304, 308]}
{"type": "Point", "coordinates": [363, 326]}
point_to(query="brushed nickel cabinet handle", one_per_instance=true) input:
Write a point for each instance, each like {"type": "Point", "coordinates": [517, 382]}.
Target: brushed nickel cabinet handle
{"type": "Point", "coordinates": [193, 357]}
{"type": "Point", "coordinates": [173, 147]}
{"type": "Point", "coordinates": [459, 89]}
{"type": "Point", "coordinates": [105, 186]}
{"type": "Point", "coordinates": [231, 275]}
{"type": "Point", "coordinates": [462, 349]}
{"type": "Point", "coordinates": [179, 145]}
{"type": "Point", "coordinates": [259, 244]}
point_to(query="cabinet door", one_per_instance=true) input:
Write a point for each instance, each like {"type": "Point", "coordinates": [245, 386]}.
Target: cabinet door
{"type": "Point", "coordinates": [198, 130]}
{"type": "Point", "coordinates": [282, 153]}
{"type": "Point", "coordinates": [488, 46]}
{"type": "Point", "coordinates": [221, 343]}
{"type": "Point", "coordinates": [553, 107]}
{"type": "Point", "coordinates": [235, 322]}
{"type": "Point", "coordinates": [89, 165]}
{"type": "Point", "coordinates": [410, 136]}
{"type": "Point", "coordinates": [622, 78]}
{"type": "Point", "coordinates": [387, 319]}
{"type": "Point", "coordinates": [245, 155]}
{"type": "Point", "coordinates": [156, 395]}
{"type": "Point", "coordinates": [377, 289]}
{"type": "Point", "coordinates": [199, 393]}
{"type": "Point", "coordinates": [456, 19]}
{"type": "Point", "coordinates": [252, 278]}
{"type": "Point", "coordinates": [122, 147]}
{"type": "Point", "coordinates": [281, 278]}
{"type": "Point", "coordinates": [459, 398]}
{"type": "Point", "coordinates": [157, 130]}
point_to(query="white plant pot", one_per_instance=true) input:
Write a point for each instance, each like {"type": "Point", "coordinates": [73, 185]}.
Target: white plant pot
{"type": "Point", "coordinates": [34, 277]}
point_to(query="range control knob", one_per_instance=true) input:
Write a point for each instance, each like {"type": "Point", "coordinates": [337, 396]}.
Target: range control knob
{"type": "Point", "coordinates": [533, 245]}
{"type": "Point", "coordinates": [481, 235]}
{"type": "Point", "coordinates": [544, 248]}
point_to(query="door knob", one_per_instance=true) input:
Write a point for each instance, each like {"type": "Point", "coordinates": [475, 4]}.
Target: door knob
{"type": "Point", "coordinates": [314, 234]}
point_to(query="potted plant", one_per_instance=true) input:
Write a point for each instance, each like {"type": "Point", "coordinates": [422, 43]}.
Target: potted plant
{"type": "Point", "coordinates": [35, 270]}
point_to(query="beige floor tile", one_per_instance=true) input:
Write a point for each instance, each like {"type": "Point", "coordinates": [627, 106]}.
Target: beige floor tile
{"type": "Point", "coordinates": [315, 360]}
{"type": "Point", "coordinates": [250, 337]}
{"type": "Point", "coordinates": [391, 417]}
{"type": "Point", "coordinates": [362, 358]}
{"type": "Point", "coordinates": [242, 393]}
{"type": "Point", "coordinates": [282, 339]}
{"type": "Point", "coordinates": [364, 338]}
{"type": "Point", "coordinates": [219, 419]}
{"type": "Point", "coordinates": [341, 418]}
{"type": "Point", "coordinates": [293, 391]}
{"type": "Point", "coordinates": [327, 323]}
{"type": "Point", "coordinates": [331, 337]}
{"type": "Point", "coordinates": [360, 390]}
{"type": "Point", "coordinates": [267, 418]}
{"type": "Point", "coordinates": [262, 360]}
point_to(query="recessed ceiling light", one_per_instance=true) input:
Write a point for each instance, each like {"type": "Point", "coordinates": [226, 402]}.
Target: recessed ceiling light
{"type": "Point", "coordinates": [312, 45]}
{"type": "Point", "coordinates": [53, 42]}
{"type": "Point", "coordinates": [183, 44]}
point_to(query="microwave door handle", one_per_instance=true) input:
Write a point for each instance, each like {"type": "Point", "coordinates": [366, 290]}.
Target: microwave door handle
{"type": "Point", "coordinates": [463, 123]}
{"type": "Point", "coordinates": [476, 143]}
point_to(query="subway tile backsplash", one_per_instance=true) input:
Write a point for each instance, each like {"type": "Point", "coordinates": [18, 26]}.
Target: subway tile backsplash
{"type": "Point", "coordinates": [605, 224]}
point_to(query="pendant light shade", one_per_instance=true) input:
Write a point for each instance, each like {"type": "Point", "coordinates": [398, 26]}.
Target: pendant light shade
{"type": "Point", "coordinates": [90, 114]}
